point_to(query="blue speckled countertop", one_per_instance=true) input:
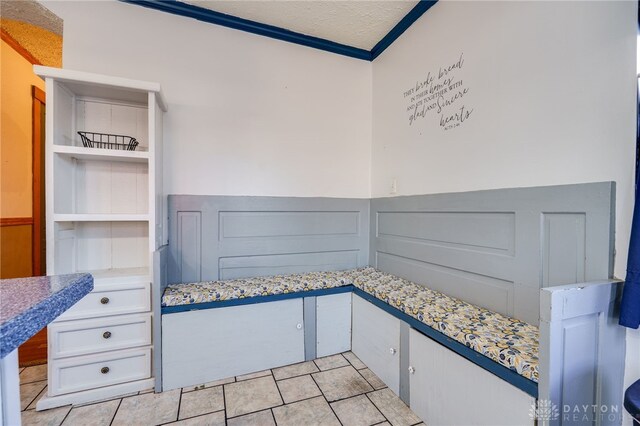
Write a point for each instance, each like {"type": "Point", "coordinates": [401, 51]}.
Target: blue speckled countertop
{"type": "Point", "coordinates": [27, 305]}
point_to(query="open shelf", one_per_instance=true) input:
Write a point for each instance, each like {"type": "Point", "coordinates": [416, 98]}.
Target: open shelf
{"type": "Point", "coordinates": [120, 275]}
{"type": "Point", "coordinates": [100, 217]}
{"type": "Point", "coordinates": [95, 154]}
{"type": "Point", "coordinates": [109, 248]}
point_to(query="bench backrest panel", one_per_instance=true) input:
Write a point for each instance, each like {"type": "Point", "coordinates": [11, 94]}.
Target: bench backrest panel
{"type": "Point", "coordinates": [497, 248]}
{"type": "Point", "coordinates": [228, 237]}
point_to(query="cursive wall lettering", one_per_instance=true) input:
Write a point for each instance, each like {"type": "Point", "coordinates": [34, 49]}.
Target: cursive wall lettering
{"type": "Point", "coordinates": [441, 94]}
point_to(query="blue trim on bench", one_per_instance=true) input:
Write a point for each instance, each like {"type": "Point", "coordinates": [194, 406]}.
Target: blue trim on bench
{"type": "Point", "coordinates": [206, 15]}
{"type": "Point", "coordinates": [258, 299]}
{"type": "Point", "coordinates": [229, 21]}
{"type": "Point", "coordinates": [477, 358]}
{"type": "Point", "coordinates": [401, 27]}
{"type": "Point", "coordinates": [506, 374]}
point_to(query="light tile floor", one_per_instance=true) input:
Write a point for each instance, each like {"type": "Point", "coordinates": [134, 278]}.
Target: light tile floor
{"type": "Point", "coordinates": [335, 390]}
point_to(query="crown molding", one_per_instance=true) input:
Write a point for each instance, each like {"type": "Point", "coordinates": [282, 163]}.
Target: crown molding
{"type": "Point", "coordinates": [188, 10]}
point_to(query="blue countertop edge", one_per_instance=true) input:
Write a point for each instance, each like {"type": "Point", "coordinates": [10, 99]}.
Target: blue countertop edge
{"type": "Point", "coordinates": [65, 291]}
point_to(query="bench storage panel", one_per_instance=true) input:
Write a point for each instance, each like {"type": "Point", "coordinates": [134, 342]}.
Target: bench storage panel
{"type": "Point", "coordinates": [447, 389]}
{"type": "Point", "coordinates": [333, 324]}
{"type": "Point", "coordinates": [376, 341]}
{"type": "Point", "coordinates": [235, 340]}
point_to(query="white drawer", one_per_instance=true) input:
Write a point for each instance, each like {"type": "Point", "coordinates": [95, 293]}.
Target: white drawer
{"type": "Point", "coordinates": [111, 299]}
{"type": "Point", "coordinates": [94, 371]}
{"type": "Point", "coordinates": [82, 337]}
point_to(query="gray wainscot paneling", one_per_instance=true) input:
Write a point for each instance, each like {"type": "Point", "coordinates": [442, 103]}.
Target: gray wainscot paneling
{"type": "Point", "coordinates": [228, 237]}
{"type": "Point", "coordinates": [497, 248]}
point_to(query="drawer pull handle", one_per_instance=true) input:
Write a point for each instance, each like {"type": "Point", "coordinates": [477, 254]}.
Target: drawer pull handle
{"type": "Point", "coordinates": [299, 326]}
{"type": "Point", "coordinates": [106, 334]}
{"type": "Point", "coordinates": [104, 370]}
{"type": "Point", "coordinates": [392, 351]}
{"type": "Point", "coordinates": [104, 300]}
{"type": "Point", "coordinates": [412, 370]}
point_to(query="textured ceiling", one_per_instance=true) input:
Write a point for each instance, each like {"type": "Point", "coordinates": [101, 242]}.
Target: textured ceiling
{"type": "Point", "coordinates": [357, 23]}
{"type": "Point", "coordinates": [33, 13]}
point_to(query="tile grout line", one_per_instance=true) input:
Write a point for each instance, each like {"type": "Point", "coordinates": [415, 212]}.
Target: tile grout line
{"type": "Point", "coordinates": [179, 404]}
{"type": "Point", "coordinates": [192, 417]}
{"type": "Point", "coordinates": [294, 402]}
{"type": "Point", "coordinates": [33, 381]}
{"type": "Point", "coordinates": [332, 368]}
{"type": "Point", "coordinates": [115, 413]}
{"type": "Point", "coordinates": [224, 400]}
{"type": "Point", "coordinates": [33, 399]}
{"type": "Point", "coordinates": [298, 375]}
{"type": "Point", "coordinates": [279, 392]}
{"type": "Point", "coordinates": [377, 408]}
{"type": "Point", "coordinates": [66, 415]}
{"type": "Point", "coordinates": [326, 400]}
{"type": "Point", "coordinates": [371, 384]}
{"type": "Point", "coordinates": [226, 418]}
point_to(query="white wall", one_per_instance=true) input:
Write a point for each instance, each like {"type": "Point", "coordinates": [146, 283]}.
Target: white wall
{"type": "Point", "coordinates": [552, 89]}
{"type": "Point", "coordinates": [248, 115]}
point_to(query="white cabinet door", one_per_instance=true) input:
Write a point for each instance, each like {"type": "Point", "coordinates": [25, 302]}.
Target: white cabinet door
{"type": "Point", "coordinates": [333, 324]}
{"type": "Point", "coordinates": [376, 341]}
{"type": "Point", "coordinates": [211, 344]}
{"type": "Point", "coordinates": [447, 389]}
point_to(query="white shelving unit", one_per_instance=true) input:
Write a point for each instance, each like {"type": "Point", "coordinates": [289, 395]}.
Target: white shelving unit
{"type": "Point", "coordinates": [105, 215]}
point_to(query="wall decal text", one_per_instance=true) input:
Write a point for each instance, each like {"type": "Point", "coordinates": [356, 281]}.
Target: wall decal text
{"type": "Point", "coordinates": [441, 94]}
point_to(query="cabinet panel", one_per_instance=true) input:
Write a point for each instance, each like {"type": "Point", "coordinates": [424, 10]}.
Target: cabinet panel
{"type": "Point", "coordinates": [72, 338]}
{"type": "Point", "coordinates": [376, 341]}
{"type": "Point", "coordinates": [446, 389]}
{"type": "Point", "coordinates": [333, 324]}
{"type": "Point", "coordinates": [210, 344]}
{"type": "Point", "coordinates": [93, 371]}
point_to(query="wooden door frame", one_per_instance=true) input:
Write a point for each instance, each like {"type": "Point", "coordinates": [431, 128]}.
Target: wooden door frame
{"type": "Point", "coordinates": [39, 101]}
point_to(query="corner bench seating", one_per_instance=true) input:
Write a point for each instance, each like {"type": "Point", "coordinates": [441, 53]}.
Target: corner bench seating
{"type": "Point", "coordinates": [506, 341]}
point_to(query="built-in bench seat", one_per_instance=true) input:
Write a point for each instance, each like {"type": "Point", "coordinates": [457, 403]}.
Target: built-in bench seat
{"type": "Point", "coordinates": [204, 293]}
{"type": "Point", "coordinates": [507, 341]}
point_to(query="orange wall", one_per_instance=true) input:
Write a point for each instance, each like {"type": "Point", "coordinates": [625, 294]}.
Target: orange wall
{"type": "Point", "coordinates": [16, 79]}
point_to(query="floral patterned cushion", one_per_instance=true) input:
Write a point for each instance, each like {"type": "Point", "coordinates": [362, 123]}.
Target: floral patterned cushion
{"type": "Point", "coordinates": [215, 291]}
{"type": "Point", "coordinates": [507, 341]}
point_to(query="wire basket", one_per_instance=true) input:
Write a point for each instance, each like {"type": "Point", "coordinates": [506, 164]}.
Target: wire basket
{"type": "Point", "coordinates": [108, 141]}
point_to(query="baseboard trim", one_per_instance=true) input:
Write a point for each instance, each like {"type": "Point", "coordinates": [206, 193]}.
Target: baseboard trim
{"type": "Point", "coordinates": [94, 395]}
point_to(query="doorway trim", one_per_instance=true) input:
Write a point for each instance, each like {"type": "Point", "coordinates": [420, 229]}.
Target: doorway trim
{"type": "Point", "coordinates": [39, 101]}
